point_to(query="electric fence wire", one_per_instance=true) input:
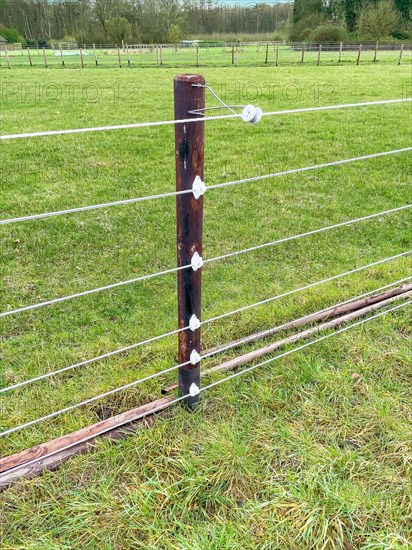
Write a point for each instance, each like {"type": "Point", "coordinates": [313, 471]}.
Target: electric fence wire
{"type": "Point", "coordinates": [173, 368]}
{"type": "Point", "coordinates": [236, 311]}
{"type": "Point", "coordinates": [210, 386]}
{"type": "Point", "coordinates": [45, 215]}
{"type": "Point", "coordinates": [206, 261]}
{"type": "Point", "coordinates": [188, 120]}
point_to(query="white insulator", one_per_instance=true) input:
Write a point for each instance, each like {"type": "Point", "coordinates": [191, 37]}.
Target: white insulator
{"type": "Point", "coordinates": [194, 357]}
{"type": "Point", "coordinates": [196, 262]}
{"type": "Point", "coordinates": [194, 390]}
{"type": "Point", "coordinates": [198, 187]}
{"type": "Point", "coordinates": [194, 323]}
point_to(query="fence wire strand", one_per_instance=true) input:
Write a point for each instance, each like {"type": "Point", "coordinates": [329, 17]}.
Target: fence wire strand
{"type": "Point", "coordinates": [56, 213]}
{"type": "Point", "coordinates": [206, 261]}
{"type": "Point", "coordinates": [214, 384]}
{"type": "Point", "coordinates": [245, 340]}
{"type": "Point", "coordinates": [188, 120]}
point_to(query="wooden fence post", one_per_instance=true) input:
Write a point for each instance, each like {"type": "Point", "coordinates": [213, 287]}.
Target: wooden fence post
{"type": "Point", "coordinates": [375, 55]}
{"type": "Point", "coordinates": [189, 144]}
{"type": "Point", "coordinates": [29, 56]}
{"type": "Point", "coordinates": [233, 55]}
{"type": "Point", "coordinates": [359, 52]}
{"type": "Point", "coordinates": [81, 58]}
{"type": "Point", "coordinates": [303, 52]}
{"type": "Point", "coordinates": [277, 56]}
{"type": "Point", "coordinates": [319, 52]}
{"type": "Point", "coordinates": [45, 57]}
{"type": "Point", "coordinates": [267, 52]}
{"type": "Point", "coordinates": [340, 52]}
{"type": "Point", "coordinates": [7, 58]}
{"type": "Point", "coordinates": [95, 56]}
{"type": "Point", "coordinates": [197, 55]}
{"type": "Point", "coordinates": [119, 58]}
{"type": "Point", "coordinates": [61, 54]}
{"type": "Point", "coordinates": [400, 55]}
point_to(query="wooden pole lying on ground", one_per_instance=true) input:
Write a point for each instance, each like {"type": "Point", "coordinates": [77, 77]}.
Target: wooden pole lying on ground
{"type": "Point", "coordinates": [340, 52]}
{"type": "Point", "coordinates": [45, 57]}
{"type": "Point", "coordinates": [29, 56]}
{"type": "Point", "coordinates": [338, 314]}
{"type": "Point", "coordinates": [189, 143]}
{"type": "Point", "coordinates": [400, 55]}
{"type": "Point", "coordinates": [375, 55]}
{"type": "Point", "coordinates": [359, 53]}
{"type": "Point", "coordinates": [51, 454]}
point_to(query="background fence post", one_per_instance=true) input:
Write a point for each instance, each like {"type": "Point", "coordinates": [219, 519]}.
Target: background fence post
{"type": "Point", "coordinates": [189, 144]}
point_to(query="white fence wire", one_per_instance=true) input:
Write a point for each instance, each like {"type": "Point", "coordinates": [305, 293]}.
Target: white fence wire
{"type": "Point", "coordinates": [206, 261]}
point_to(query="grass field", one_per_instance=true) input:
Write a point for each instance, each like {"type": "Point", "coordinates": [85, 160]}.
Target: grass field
{"type": "Point", "coordinates": [246, 55]}
{"type": "Point", "coordinates": [298, 455]}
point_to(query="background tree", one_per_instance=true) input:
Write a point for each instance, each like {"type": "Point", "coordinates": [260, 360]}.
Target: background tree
{"type": "Point", "coordinates": [175, 34]}
{"type": "Point", "coordinates": [378, 20]}
{"type": "Point", "coordinates": [119, 30]}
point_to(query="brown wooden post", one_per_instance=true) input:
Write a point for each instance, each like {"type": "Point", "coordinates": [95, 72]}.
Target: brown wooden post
{"type": "Point", "coordinates": [128, 55]}
{"type": "Point", "coordinates": [119, 57]}
{"type": "Point", "coordinates": [189, 140]}
{"type": "Point", "coordinates": [303, 52]}
{"type": "Point", "coordinates": [277, 56]}
{"type": "Point", "coordinates": [81, 58]}
{"type": "Point", "coordinates": [29, 56]}
{"type": "Point", "coordinates": [161, 54]}
{"type": "Point", "coordinates": [95, 56]}
{"type": "Point", "coordinates": [233, 55]}
{"type": "Point", "coordinates": [359, 52]}
{"type": "Point", "coordinates": [375, 56]}
{"type": "Point", "coordinates": [61, 55]}
{"type": "Point", "coordinates": [319, 52]}
{"type": "Point", "coordinates": [197, 55]}
{"type": "Point", "coordinates": [267, 52]}
{"type": "Point", "coordinates": [400, 55]}
{"type": "Point", "coordinates": [340, 52]}
{"type": "Point", "coordinates": [45, 57]}
{"type": "Point", "coordinates": [7, 58]}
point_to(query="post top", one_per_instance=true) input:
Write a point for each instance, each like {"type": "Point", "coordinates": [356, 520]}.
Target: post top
{"type": "Point", "coordinates": [192, 78]}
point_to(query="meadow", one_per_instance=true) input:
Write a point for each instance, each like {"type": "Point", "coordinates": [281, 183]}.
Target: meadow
{"type": "Point", "coordinates": [312, 451]}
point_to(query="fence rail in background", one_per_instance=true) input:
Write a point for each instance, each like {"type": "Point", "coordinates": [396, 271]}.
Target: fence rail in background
{"type": "Point", "coordinates": [189, 125]}
{"type": "Point", "coordinates": [236, 54]}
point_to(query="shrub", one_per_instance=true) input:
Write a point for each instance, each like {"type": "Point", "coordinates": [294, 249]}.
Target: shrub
{"type": "Point", "coordinates": [12, 35]}
{"type": "Point", "coordinates": [301, 30]}
{"type": "Point", "coordinates": [328, 33]}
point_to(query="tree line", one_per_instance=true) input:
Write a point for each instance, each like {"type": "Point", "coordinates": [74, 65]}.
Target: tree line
{"type": "Point", "coordinates": [169, 21]}
{"type": "Point", "coordinates": [135, 21]}
{"type": "Point", "coordinates": [337, 20]}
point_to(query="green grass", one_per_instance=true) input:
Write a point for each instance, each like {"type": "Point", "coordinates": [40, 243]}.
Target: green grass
{"type": "Point", "coordinates": [297, 455]}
